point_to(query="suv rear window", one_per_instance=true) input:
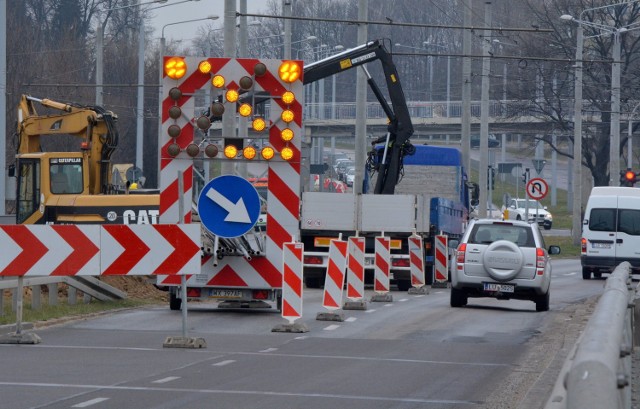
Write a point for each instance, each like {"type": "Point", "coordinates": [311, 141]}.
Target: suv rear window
{"type": "Point", "coordinates": [488, 233]}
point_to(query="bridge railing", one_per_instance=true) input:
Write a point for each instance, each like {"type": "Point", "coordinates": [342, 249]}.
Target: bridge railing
{"type": "Point", "coordinates": [597, 372]}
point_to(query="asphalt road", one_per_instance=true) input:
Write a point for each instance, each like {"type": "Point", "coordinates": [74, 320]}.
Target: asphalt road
{"type": "Point", "coordinates": [415, 352]}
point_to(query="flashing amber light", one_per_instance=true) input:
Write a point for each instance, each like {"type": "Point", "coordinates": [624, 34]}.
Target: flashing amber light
{"type": "Point", "coordinates": [217, 81]}
{"type": "Point", "coordinates": [84, 145]}
{"type": "Point", "coordinates": [193, 150]}
{"type": "Point", "coordinates": [288, 97]}
{"type": "Point", "coordinates": [286, 134]}
{"type": "Point", "coordinates": [287, 115]}
{"type": "Point", "coordinates": [245, 110]}
{"type": "Point", "coordinates": [230, 151]}
{"type": "Point", "coordinates": [267, 153]}
{"type": "Point", "coordinates": [211, 151]}
{"type": "Point", "coordinates": [286, 153]}
{"type": "Point", "coordinates": [245, 83]}
{"type": "Point", "coordinates": [232, 95]}
{"type": "Point", "coordinates": [289, 71]}
{"type": "Point", "coordinates": [204, 67]}
{"type": "Point", "coordinates": [174, 131]}
{"type": "Point", "coordinates": [258, 124]}
{"type": "Point", "coordinates": [173, 150]}
{"type": "Point", "coordinates": [249, 152]}
{"type": "Point", "coordinates": [175, 68]}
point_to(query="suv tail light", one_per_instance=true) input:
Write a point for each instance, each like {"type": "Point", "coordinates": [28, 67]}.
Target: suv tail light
{"type": "Point", "coordinates": [583, 245]}
{"type": "Point", "coordinates": [312, 260]}
{"type": "Point", "coordinates": [460, 256]}
{"type": "Point", "coordinates": [540, 261]}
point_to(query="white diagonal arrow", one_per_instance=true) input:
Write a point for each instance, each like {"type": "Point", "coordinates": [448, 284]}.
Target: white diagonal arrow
{"type": "Point", "coordinates": [237, 211]}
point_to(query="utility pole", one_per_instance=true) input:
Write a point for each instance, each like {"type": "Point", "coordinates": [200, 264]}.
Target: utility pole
{"type": "Point", "coordinates": [484, 111]}
{"type": "Point", "coordinates": [361, 104]}
{"type": "Point", "coordinates": [466, 86]}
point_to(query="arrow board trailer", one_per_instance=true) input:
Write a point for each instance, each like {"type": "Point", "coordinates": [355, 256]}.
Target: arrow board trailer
{"type": "Point", "coordinates": [432, 198]}
{"type": "Point", "coordinates": [242, 259]}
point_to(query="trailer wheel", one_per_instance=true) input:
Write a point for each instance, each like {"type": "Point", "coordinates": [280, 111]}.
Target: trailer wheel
{"type": "Point", "coordinates": [174, 302]}
{"type": "Point", "coordinates": [279, 303]}
{"type": "Point", "coordinates": [403, 285]}
{"type": "Point", "coordinates": [312, 282]}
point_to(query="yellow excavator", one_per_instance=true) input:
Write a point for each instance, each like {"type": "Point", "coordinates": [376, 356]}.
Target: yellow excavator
{"type": "Point", "coordinates": [74, 187]}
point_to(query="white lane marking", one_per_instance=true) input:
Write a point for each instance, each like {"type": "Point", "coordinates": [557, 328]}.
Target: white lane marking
{"type": "Point", "coordinates": [570, 274]}
{"type": "Point", "coordinates": [240, 393]}
{"type": "Point", "coordinates": [418, 296]}
{"type": "Point", "coordinates": [438, 292]}
{"type": "Point", "coordinates": [269, 350]}
{"type": "Point", "coordinates": [331, 327]}
{"type": "Point", "coordinates": [223, 363]}
{"type": "Point", "coordinates": [350, 319]}
{"type": "Point", "coordinates": [302, 337]}
{"type": "Point", "coordinates": [404, 299]}
{"type": "Point", "coordinates": [89, 403]}
{"type": "Point", "coordinates": [167, 379]}
{"type": "Point", "coordinates": [369, 311]}
{"type": "Point", "coordinates": [388, 305]}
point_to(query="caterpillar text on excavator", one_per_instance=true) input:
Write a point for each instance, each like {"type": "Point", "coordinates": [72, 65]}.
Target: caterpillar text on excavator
{"type": "Point", "coordinates": [74, 187]}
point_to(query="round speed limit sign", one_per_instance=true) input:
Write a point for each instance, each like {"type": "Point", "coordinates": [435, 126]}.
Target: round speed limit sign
{"type": "Point", "coordinates": [537, 188]}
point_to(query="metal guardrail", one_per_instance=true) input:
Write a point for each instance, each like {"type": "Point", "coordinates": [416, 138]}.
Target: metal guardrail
{"type": "Point", "coordinates": [597, 372]}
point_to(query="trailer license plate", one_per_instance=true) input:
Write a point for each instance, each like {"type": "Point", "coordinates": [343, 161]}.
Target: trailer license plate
{"type": "Point", "coordinates": [225, 293]}
{"type": "Point", "coordinates": [601, 245]}
{"type": "Point", "coordinates": [495, 287]}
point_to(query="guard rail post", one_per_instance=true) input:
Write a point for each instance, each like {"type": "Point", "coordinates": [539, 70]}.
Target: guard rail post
{"type": "Point", "coordinates": [597, 372]}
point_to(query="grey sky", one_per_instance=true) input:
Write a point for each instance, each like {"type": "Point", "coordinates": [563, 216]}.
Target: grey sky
{"type": "Point", "coordinates": [193, 10]}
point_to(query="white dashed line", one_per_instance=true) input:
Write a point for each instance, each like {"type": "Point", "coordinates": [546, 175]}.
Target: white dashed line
{"type": "Point", "coordinates": [388, 305]}
{"type": "Point", "coordinates": [331, 327]}
{"type": "Point", "coordinates": [89, 403]}
{"type": "Point", "coordinates": [418, 296]}
{"type": "Point", "coordinates": [269, 350]}
{"type": "Point", "coordinates": [351, 319]}
{"type": "Point", "coordinates": [404, 299]}
{"type": "Point", "coordinates": [223, 363]}
{"type": "Point", "coordinates": [369, 311]}
{"type": "Point", "coordinates": [167, 379]}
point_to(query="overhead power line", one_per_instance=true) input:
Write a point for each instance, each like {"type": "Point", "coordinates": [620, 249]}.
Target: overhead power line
{"type": "Point", "coordinates": [390, 22]}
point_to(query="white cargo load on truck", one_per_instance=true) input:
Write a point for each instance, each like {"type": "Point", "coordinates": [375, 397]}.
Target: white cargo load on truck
{"type": "Point", "coordinates": [366, 213]}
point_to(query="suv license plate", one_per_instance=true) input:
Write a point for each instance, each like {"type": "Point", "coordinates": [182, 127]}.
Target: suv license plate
{"type": "Point", "coordinates": [225, 293]}
{"type": "Point", "coordinates": [495, 287]}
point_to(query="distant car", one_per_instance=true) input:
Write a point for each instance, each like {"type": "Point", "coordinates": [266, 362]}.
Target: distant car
{"type": "Point", "coordinates": [516, 210]}
{"type": "Point", "coordinates": [350, 176]}
{"type": "Point", "coordinates": [494, 142]}
{"type": "Point", "coordinates": [341, 169]}
{"type": "Point", "coordinates": [502, 260]}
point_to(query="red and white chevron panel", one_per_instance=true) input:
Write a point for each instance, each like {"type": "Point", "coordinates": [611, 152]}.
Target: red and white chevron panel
{"type": "Point", "coordinates": [355, 269]}
{"type": "Point", "coordinates": [441, 260]}
{"type": "Point", "coordinates": [382, 266]}
{"type": "Point", "coordinates": [292, 281]}
{"type": "Point", "coordinates": [283, 176]}
{"type": "Point", "coordinates": [416, 261]}
{"type": "Point", "coordinates": [69, 250]}
{"type": "Point", "coordinates": [334, 281]}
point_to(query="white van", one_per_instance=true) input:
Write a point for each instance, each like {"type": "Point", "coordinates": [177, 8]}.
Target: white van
{"type": "Point", "coordinates": [610, 230]}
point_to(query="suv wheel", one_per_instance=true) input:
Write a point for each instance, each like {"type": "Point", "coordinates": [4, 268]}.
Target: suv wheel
{"type": "Point", "coordinates": [586, 273]}
{"type": "Point", "coordinates": [542, 302]}
{"type": "Point", "coordinates": [458, 298]}
{"type": "Point", "coordinates": [503, 260]}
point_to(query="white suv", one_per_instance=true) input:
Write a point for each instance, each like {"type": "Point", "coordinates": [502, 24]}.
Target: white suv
{"type": "Point", "coordinates": [503, 260]}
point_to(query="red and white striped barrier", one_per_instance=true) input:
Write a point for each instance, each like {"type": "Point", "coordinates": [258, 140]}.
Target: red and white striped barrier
{"type": "Point", "coordinates": [334, 281]}
{"type": "Point", "coordinates": [382, 266]}
{"type": "Point", "coordinates": [416, 261]}
{"type": "Point", "coordinates": [355, 269]}
{"type": "Point", "coordinates": [441, 260]}
{"type": "Point", "coordinates": [292, 281]}
{"type": "Point", "coordinates": [110, 249]}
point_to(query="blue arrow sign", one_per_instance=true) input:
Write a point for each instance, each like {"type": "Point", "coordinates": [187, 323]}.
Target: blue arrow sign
{"type": "Point", "coordinates": [229, 206]}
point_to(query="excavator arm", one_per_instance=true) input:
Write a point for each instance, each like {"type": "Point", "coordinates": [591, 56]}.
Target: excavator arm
{"type": "Point", "coordinates": [94, 125]}
{"type": "Point", "coordinates": [400, 128]}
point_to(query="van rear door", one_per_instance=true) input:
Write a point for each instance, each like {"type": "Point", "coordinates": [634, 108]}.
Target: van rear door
{"type": "Point", "coordinates": [628, 235]}
{"type": "Point", "coordinates": [602, 221]}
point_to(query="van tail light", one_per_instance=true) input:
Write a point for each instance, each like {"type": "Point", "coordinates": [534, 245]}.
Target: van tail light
{"type": "Point", "coordinates": [312, 260]}
{"type": "Point", "coordinates": [540, 261]}
{"type": "Point", "coordinates": [583, 245]}
{"type": "Point", "coordinates": [460, 256]}
{"type": "Point", "coordinates": [400, 262]}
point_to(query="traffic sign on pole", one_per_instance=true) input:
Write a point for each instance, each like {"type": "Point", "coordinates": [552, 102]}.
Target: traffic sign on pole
{"type": "Point", "coordinates": [537, 188]}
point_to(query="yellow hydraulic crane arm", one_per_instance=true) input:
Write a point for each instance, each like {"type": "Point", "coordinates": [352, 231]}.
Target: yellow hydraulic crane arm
{"type": "Point", "coordinates": [94, 125]}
